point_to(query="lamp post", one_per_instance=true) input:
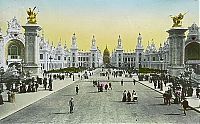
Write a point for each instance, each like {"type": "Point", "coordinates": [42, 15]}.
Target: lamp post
{"type": "Point", "coordinates": [1, 85]}
{"type": "Point", "coordinates": [1, 88]}
{"type": "Point", "coordinates": [50, 58]}
{"type": "Point", "coordinates": [161, 83]}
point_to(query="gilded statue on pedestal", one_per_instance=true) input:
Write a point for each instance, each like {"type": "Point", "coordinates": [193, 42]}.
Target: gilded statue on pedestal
{"type": "Point", "coordinates": [32, 16]}
{"type": "Point", "coordinates": [177, 20]}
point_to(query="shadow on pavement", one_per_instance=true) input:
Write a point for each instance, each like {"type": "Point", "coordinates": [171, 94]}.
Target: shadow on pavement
{"type": "Point", "coordinates": [118, 101]}
{"type": "Point", "coordinates": [59, 113]}
{"type": "Point", "coordinates": [173, 114]}
{"type": "Point", "coordinates": [93, 92]}
{"type": "Point", "coordinates": [157, 104]}
{"type": "Point", "coordinates": [131, 103]}
{"type": "Point", "coordinates": [159, 97]}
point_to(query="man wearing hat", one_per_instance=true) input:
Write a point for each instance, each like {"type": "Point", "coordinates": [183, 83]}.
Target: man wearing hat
{"type": "Point", "coordinates": [71, 105]}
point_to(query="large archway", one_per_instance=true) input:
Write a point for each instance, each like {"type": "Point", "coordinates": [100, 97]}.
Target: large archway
{"type": "Point", "coordinates": [192, 56]}
{"type": "Point", "coordinates": [192, 51]}
{"type": "Point", "coordinates": [14, 51]}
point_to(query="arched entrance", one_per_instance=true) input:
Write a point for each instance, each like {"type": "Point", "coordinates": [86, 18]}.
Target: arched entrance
{"type": "Point", "coordinates": [192, 56]}
{"type": "Point", "coordinates": [14, 51]}
{"type": "Point", "coordinates": [192, 52]}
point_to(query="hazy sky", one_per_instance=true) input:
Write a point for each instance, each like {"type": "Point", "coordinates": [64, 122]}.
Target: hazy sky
{"type": "Point", "coordinates": [106, 19]}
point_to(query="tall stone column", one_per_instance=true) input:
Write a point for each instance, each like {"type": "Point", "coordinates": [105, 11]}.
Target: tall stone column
{"type": "Point", "coordinates": [31, 49]}
{"type": "Point", "coordinates": [176, 50]}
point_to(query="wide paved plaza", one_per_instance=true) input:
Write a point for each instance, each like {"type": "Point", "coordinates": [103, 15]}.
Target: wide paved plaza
{"type": "Point", "coordinates": [102, 107]}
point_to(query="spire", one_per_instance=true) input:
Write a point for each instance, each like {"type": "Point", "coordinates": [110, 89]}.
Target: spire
{"type": "Point", "coordinates": [74, 42]}
{"type": "Point", "coordinates": [119, 45]}
{"type": "Point", "coordinates": [93, 46]}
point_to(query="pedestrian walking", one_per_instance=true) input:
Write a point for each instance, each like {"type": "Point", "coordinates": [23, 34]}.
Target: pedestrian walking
{"type": "Point", "coordinates": [185, 105]}
{"type": "Point", "coordinates": [106, 87]}
{"type": "Point", "coordinates": [122, 82]}
{"type": "Point", "coordinates": [128, 96]}
{"type": "Point", "coordinates": [77, 89]}
{"type": "Point", "coordinates": [36, 86]}
{"type": "Point", "coordinates": [155, 84]}
{"type": "Point", "coordinates": [124, 96]}
{"type": "Point", "coordinates": [110, 86]}
{"type": "Point", "coordinates": [134, 81]}
{"type": "Point", "coordinates": [45, 83]}
{"type": "Point", "coordinates": [50, 83]}
{"type": "Point", "coordinates": [71, 105]}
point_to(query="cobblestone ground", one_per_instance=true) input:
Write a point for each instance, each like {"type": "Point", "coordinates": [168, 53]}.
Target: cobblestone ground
{"type": "Point", "coordinates": [102, 107]}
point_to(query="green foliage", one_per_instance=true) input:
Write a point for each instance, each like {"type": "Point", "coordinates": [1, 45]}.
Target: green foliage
{"type": "Point", "coordinates": [151, 70]}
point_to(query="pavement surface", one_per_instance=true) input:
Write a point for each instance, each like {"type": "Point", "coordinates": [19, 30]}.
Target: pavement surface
{"type": "Point", "coordinates": [102, 107]}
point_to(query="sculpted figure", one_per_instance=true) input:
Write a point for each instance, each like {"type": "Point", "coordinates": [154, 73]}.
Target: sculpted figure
{"type": "Point", "coordinates": [177, 20]}
{"type": "Point", "coordinates": [32, 16]}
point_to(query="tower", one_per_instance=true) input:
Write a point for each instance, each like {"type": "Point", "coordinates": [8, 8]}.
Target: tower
{"type": "Point", "coordinates": [94, 55]}
{"type": "Point", "coordinates": [139, 50]}
{"type": "Point", "coordinates": [74, 52]}
{"type": "Point", "coordinates": [119, 53]}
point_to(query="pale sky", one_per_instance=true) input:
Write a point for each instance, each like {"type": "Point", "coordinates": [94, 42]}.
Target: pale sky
{"type": "Point", "coordinates": [106, 19]}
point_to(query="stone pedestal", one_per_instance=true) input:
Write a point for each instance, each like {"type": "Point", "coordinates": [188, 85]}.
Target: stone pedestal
{"type": "Point", "coordinates": [176, 50]}
{"type": "Point", "coordinates": [31, 59]}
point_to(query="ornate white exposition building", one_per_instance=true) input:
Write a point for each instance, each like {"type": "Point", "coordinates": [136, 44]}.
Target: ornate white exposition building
{"type": "Point", "coordinates": [12, 51]}
{"type": "Point", "coordinates": [158, 58]}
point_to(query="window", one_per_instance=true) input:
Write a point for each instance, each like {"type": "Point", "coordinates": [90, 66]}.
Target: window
{"type": "Point", "coordinates": [13, 51]}
{"type": "Point", "coordinates": [68, 58]}
{"type": "Point", "coordinates": [73, 59]}
{"type": "Point", "coordinates": [65, 58]}
{"type": "Point", "coordinates": [154, 59]}
{"type": "Point", "coordinates": [58, 57]}
{"type": "Point", "coordinates": [78, 58]}
{"type": "Point", "coordinates": [131, 59]}
{"type": "Point", "coordinates": [125, 59]}
{"type": "Point", "coordinates": [41, 56]}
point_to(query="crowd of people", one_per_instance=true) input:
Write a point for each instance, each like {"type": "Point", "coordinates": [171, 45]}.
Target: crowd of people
{"type": "Point", "coordinates": [127, 96]}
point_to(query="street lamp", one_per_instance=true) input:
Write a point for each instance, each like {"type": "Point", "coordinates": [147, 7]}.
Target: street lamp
{"type": "Point", "coordinates": [50, 58]}
{"type": "Point", "coordinates": [1, 88]}
{"type": "Point", "coordinates": [1, 85]}
{"type": "Point", "coordinates": [161, 84]}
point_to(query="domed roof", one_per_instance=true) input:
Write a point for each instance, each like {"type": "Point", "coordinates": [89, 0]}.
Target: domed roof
{"type": "Point", "coordinates": [106, 51]}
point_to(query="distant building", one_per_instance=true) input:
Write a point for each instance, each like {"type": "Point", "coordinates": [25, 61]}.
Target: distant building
{"type": "Point", "coordinates": [151, 57]}
{"type": "Point", "coordinates": [12, 51]}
